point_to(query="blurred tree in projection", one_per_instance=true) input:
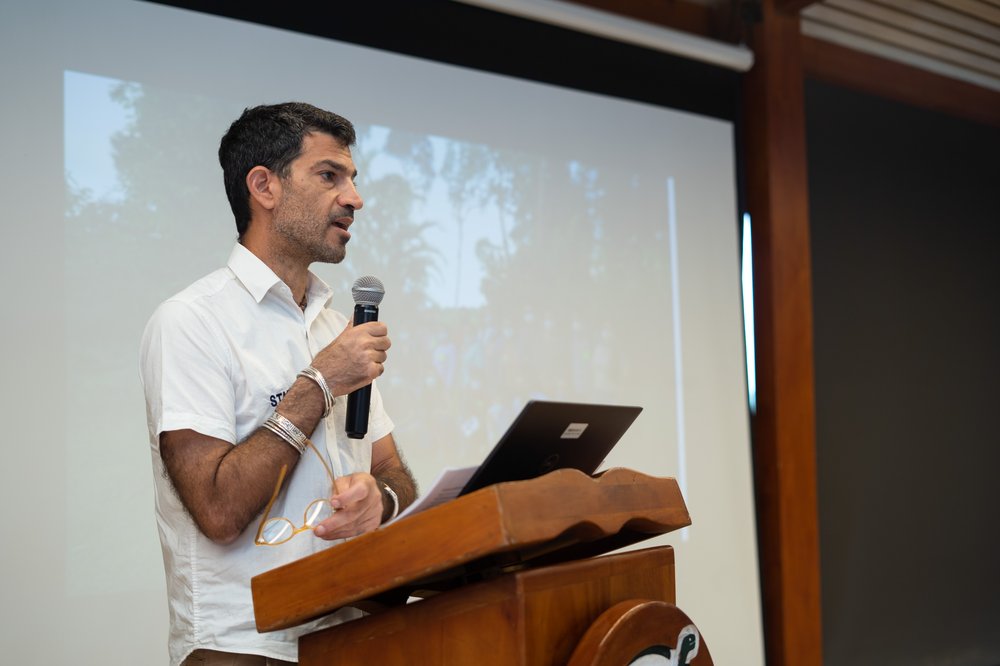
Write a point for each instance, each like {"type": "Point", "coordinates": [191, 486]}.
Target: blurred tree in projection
{"type": "Point", "coordinates": [395, 170]}
{"type": "Point", "coordinates": [164, 161]}
{"type": "Point", "coordinates": [459, 230]}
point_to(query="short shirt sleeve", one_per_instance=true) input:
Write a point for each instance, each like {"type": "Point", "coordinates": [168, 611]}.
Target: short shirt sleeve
{"type": "Point", "coordinates": [185, 369]}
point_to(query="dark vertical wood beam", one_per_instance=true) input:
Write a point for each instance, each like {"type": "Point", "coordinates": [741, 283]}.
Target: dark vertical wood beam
{"type": "Point", "coordinates": [784, 427]}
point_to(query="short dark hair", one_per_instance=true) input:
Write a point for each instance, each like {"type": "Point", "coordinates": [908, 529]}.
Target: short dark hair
{"type": "Point", "coordinates": [271, 136]}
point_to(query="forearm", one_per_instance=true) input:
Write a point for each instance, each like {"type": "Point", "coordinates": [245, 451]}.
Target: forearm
{"type": "Point", "coordinates": [243, 481]}
{"type": "Point", "coordinates": [224, 487]}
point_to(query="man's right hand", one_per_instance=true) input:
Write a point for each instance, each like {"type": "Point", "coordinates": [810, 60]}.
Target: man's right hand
{"type": "Point", "coordinates": [355, 358]}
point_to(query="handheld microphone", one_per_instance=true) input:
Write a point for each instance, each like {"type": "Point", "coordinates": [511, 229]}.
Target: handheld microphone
{"type": "Point", "coordinates": [368, 293]}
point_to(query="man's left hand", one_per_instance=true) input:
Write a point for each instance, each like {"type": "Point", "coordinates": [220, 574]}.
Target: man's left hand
{"type": "Point", "coordinates": [357, 504]}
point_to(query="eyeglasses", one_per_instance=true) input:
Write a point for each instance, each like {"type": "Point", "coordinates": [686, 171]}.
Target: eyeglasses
{"type": "Point", "coordinates": [279, 530]}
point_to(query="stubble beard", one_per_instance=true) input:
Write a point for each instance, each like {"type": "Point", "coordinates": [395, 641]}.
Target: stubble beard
{"type": "Point", "coordinates": [335, 255]}
{"type": "Point", "coordinates": [299, 227]}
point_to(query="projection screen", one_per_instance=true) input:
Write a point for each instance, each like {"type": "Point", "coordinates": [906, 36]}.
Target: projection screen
{"type": "Point", "coordinates": [535, 242]}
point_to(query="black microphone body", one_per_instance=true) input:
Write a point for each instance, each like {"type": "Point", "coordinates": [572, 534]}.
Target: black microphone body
{"type": "Point", "coordinates": [368, 293]}
{"type": "Point", "coordinates": [359, 400]}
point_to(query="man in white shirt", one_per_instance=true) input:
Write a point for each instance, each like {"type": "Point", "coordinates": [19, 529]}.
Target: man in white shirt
{"type": "Point", "coordinates": [246, 374]}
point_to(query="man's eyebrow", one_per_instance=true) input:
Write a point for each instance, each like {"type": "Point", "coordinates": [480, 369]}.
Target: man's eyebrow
{"type": "Point", "coordinates": [335, 166]}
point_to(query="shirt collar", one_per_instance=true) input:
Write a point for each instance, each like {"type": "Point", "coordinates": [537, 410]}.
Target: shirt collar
{"type": "Point", "coordinates": [259, 279]}
{"type": "Point", "coordinates": [252, 272]}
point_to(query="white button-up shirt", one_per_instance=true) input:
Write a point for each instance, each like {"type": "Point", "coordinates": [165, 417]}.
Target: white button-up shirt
{"type": "Point", "coordinates": [217, 358]}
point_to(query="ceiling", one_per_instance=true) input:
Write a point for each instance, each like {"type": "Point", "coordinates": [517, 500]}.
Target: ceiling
{"type": "Point", "coordinates": [959, 39]}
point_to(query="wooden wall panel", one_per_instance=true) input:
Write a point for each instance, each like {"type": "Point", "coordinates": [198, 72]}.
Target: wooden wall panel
{"type": "Point", "coordinates": [777, 197]}
{"type": "Point", "coordinates": [845, 67]}
{"type": "Point", "coordinates": [784, 427]}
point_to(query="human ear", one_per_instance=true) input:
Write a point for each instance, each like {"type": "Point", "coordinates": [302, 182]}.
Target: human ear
{"type": "Point", "coordinates": [264, 187]}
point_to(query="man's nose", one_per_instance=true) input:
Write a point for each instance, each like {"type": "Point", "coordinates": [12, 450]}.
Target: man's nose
{"type": "Point", "coordinates": [351, 198]}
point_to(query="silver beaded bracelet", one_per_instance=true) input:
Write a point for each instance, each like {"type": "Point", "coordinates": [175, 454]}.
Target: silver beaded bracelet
{"type": "Point", "coordinates": [312, 373]}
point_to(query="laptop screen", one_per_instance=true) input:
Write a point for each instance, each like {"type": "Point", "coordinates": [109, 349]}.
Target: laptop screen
{"type": "Point", "coordinates": [553, 435]}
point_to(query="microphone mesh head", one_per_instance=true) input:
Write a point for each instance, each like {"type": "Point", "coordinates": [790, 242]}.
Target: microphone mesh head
{"type": "Point", "coordinates": [368, 290]}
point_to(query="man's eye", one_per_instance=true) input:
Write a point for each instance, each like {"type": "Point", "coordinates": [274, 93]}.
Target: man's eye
{"type": "Point", "coordinates": [327, 175]}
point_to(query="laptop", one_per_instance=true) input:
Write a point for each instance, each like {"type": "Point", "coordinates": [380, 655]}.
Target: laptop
{"type": "Point", "coordinates": [553, 435]}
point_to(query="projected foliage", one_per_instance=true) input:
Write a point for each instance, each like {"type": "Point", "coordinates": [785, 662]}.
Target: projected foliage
{"type": "Point", "coordinates": [463, 229]}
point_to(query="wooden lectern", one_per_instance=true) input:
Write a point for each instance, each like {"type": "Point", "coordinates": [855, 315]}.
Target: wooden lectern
{"type": "Point", "coordinates": [509, 574]}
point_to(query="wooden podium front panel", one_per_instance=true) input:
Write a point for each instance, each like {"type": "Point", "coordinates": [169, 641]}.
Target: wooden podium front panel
{"type": "Point", "coordinates": [533, 617]}
{"type": "Point", "coordinates": [472, 625]}
{"type": "Point", "coordinates": [561, 602]}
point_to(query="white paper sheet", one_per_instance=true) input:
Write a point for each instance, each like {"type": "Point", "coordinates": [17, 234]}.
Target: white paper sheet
{"type": "Point", "coordinates": [447, 486]}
